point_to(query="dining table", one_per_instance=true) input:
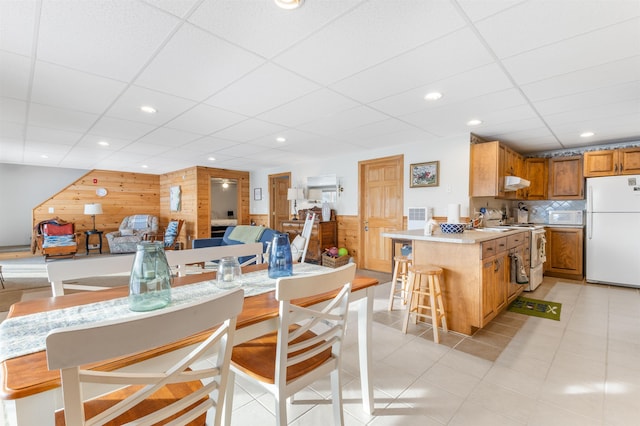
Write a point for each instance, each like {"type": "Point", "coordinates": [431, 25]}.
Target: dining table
{"type": "Point", "coordinates": [30, 392]}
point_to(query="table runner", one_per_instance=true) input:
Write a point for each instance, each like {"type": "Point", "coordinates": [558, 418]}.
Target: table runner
{"type": "Point", "coordinates": [27, 334]}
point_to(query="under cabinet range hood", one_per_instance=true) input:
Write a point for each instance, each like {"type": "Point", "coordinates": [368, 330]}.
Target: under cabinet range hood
{"type": "Point", "coordinates": [513, 183]}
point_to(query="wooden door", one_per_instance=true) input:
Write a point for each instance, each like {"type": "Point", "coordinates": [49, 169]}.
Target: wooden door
{"type": "Point", "coordinates": [381, 204]}
{"type": "Point", "coordinates": [279, 205]}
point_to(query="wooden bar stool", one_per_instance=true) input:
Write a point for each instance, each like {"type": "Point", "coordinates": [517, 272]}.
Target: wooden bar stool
{"type": "Point", "coordinates": [400, 275]}
{"type": "Point", "coordinates": [425, 297]}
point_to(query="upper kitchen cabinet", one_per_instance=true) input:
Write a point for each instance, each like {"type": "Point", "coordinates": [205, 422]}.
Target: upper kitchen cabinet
{"type": "Point", "coordinates": [536, 171]}
{"type": "Point", "coordinates": [490, 162]}
{"type": "Point", "coordinates": [624, 161]}
{"type": "Point", "coordinates": [566, 181]}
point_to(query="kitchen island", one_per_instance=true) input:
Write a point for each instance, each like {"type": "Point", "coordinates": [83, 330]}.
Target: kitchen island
{"type": "Point", "coordinates": [477, 271]}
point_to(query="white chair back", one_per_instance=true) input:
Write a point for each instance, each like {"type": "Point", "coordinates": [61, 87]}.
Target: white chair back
{"type": "Point", "coordinates": [69, 348]}
{"type": "Point", "coordinates": [308, 344]}
{"type": "Point", "coordinates": [82, 268]}
{"type": "Point", "coordinates": [182, 258]}
{"type": "Point", "coordinates": [306, 233]}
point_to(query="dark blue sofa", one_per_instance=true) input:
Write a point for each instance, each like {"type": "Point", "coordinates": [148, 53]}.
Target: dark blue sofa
{"type": "Point", "coordinates": [264, 235]}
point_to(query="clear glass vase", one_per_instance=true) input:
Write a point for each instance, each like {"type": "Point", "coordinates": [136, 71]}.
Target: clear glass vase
{"type": "Point", "coordinates": [150, 282]}
{"type": "Point", "coordinates": [280, 260]}
{"type": "Point", "coordinates": [229, 272]}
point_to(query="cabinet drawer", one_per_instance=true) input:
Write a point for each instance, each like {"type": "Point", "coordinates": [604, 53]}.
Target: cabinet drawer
{"type": "Point", "coordinates": [501, 244]}
{"type": "Point", "coordinates": [515, 240]}
{"type": "Point", "coordinates": [488, 248]}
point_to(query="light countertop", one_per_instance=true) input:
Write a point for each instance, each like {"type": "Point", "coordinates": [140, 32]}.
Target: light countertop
{"type": "Point", "coordinates": [467, 237]}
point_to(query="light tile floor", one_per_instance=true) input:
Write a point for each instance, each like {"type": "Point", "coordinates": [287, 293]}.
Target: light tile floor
{"type": "Point", "coordinates": [581, 370]}
{"type": "Point", "coordinates": [520, 370]}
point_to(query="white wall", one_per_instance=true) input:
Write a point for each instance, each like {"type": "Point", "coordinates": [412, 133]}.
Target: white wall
{"type": "Point", "coordinates": [21, 189]}
{"type": "Point", "coordinates": [453, 154]}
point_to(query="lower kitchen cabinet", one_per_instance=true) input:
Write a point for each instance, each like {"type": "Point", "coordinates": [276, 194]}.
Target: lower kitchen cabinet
{"type": "Point", "coordinates": [495, 278]}
{"type": "Point", "coordinates": [565, 253]}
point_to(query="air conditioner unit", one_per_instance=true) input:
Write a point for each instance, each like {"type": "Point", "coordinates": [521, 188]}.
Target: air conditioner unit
{"type": "Point", "coordinates": [417, 218]}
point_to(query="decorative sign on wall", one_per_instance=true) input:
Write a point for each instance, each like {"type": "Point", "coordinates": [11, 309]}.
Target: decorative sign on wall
{"type": "Point", "coordinates": [174, 198]}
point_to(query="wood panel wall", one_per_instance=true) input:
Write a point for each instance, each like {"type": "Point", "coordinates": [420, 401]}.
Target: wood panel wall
{"type": "Point", "coordinates": [127, 194]}
{"type": "Point", "coordinates": [260, 219]}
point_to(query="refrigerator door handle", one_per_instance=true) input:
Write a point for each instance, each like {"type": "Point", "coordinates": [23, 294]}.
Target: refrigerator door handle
{"type": "Point", "coordinates": [589, 212]}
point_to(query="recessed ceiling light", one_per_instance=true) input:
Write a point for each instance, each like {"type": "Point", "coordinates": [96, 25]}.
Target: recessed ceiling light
{"type": "Point", "coordinates": [148, 109]}
{"type": "Point", "coordinates": [44, 156]}
{"type": "Point", "coordinates": [103, 143]}
{"type": "Point", "coordinates": [433, 96]}
{"type": "Point", "coordinates": [225, 185]}
{"type": "Point", "coordinates": [280, 139]}
{"type": "Point", "coordinates": [289, 4]}
{"type": "Point", "coordinates": [211, 158]}
{"type": "Point", "coordinates": [144, 166]}
{"type": "Point", "coordinates": [586, 134]}
{"type": "Point", "coordinates": [474, 122]}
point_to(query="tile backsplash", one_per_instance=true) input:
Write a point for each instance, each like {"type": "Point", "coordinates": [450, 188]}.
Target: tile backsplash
{"type": "Point", "coordinates": [538, 210]}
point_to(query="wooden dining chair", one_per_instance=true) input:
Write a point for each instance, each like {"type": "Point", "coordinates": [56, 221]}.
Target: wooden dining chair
{"type": "Point", "coordinates": [306, 346]}
{"type": "Point", "coordinates": [153, 394]}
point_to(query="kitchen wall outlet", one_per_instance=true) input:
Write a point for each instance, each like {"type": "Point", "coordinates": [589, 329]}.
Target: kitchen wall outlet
{"type": "Point", "coordinates": [51, 209]}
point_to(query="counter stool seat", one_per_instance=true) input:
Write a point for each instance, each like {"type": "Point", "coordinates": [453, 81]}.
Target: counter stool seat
{"type": "Point", "coordinates": [401, 276]}
{"type": "Point", "coordinates": [425, 297]}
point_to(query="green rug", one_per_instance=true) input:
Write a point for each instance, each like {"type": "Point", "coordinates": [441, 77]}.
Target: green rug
{"type": "Point", "coordinates": [536, 308]}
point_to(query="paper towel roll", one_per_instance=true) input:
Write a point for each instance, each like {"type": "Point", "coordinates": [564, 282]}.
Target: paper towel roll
{"type": "Point", "coordinates": [453, 213]}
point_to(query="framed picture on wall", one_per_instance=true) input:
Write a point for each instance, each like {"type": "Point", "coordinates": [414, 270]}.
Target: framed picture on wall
{"type": "Point", "coordinates": [257, 193]}
{"type": "Point", "coordinates": [174, 198]}
{"type": "Point", "coordinates": [425, 174]}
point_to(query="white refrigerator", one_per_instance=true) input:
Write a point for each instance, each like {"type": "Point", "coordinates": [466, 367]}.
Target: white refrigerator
{"type": "Point", "coordinates": [613, 230]}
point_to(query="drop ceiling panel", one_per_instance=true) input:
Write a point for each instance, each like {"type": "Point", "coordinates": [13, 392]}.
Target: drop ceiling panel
{"type": "Point", "coordinates": [480, 9]}
{"type": "Point", "coordinates": [272, 29]}
{"type": "Point", "coordinates": [14, 75]}
{"type": "Point", "coordinates": [17, 26]}
{"type": "Point", "coordinates": [113, 39]}
{"type": "Point", "coordinates": [468, 85]}
{"type": "Point", "coordinates": [66, 88]}
{"type": "Point", "coordinates": [426, 64]}
{"type": "Point", "coordinates": [591, 99]}
{"type": "Point", "coordinates": [343, 48]}
{"type": "Point", "coordinates": [165, 136]}
{"type": "Point", "coordinates": [195, 65]}
{"type": "Point", "coordinates": [595, 112]}
{"type": "Point", "coordinates": [572, 54]}
{"type": "Point", "coordinates": [204, 119]}
{"type": "Point", "coordinates": [209, 145]}
{"type": "Point", "coordinates": [109, 127]}
{"type": "Point", "coordinates": [535, 24]}
{"type": "Point", "coordinates": [309, 107]}
{"type": "Point", "coordinates": [60, 118]}
{"type": "Point", "coordinates": [56, 136]}
{"type": "Point", "coordinates": [13, 110]}
{"type": "Point", "coordinates": [261, 90]}
{"type": "Point", "coordinates": [344, 121]}
{"type": "Point", "coordinates": [178, 8]}
{"type": "Point", "coordinates": [248, 130]}
{"type": "Point", "coordinates": [127, 107]}
{"type": "Point", "coordinates": [602, 76]}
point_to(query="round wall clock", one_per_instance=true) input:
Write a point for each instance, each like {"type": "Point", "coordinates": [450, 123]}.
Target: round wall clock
{"type": "Point", "coordinates": [101, 192]}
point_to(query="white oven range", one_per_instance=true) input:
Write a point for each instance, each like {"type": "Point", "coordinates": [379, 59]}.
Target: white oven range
{"type": "Point", "coordinates": [537, 252]}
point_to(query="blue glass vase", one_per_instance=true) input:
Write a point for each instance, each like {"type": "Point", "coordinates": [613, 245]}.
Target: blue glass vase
{"type": "Point", "coordinates": [150, 282]}
{"type": "Point", "coordinates": [280, 261]}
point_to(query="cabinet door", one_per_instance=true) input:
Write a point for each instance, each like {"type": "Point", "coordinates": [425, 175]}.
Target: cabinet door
{"type": "Point", "coordinates": [536, 171]}
{"type": "Point", "coordinates": [630, 161]}
{"type": "Point", "coordinates": [488, 290]}
{"type": "Point", "coordinates": [501, 282]}
{"type": "Point", "coordinates": [565, 252]}
{"type": "Point", "coordinates": [483, 169]}
{"type": "Point", "coordinates": [600, 163]}
{"type": "Point", "coordinates": [292, 228]}
{"type": "Point", "coordinates": [566, 181]}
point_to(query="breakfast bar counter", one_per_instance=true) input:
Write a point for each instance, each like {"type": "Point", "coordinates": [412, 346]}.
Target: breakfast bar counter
{"type": "Point", "coordinates": [477, 271]}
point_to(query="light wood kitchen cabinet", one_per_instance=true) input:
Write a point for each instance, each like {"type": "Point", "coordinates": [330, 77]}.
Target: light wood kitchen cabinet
{"type": "Point", "coordinates": [623, 161]}
{"type": "Point", "coordinates": [323, 235]}
{"type": "Point", "coordinates": [517, 244]}
{"type": "Point", "coordinates": [495, 278]}
{"type": "Point", "coordinates": [565, 253]}
{"type": "Point", "coordinates": [536, 171]}
{"type": "Point", "coordinates": [489, 163]}
{"type": "Point", "coordinates": [566, 181]}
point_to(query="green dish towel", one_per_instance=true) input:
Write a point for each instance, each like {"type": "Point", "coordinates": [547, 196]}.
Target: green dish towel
{"type": "Point", "coordinates": [246, 233]}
